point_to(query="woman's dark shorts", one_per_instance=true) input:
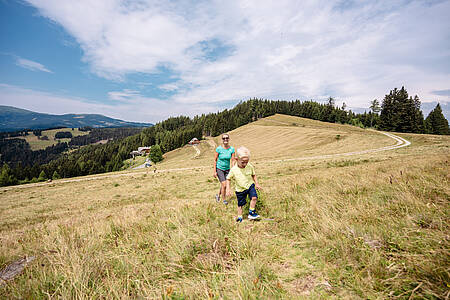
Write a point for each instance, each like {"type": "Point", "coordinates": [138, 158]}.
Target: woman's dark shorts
{"type": "Point", "coordinates": [242, 196]}
{"type": "Point", "coordinates": [222, 174]}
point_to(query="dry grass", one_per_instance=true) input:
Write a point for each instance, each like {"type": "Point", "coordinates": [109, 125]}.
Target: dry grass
{"type": "Point", "coordinates": [369, 226]}
{"type": "Point", "coordinates": [282, 136]}
{"type": "Point", "coordinates": [37, 144]}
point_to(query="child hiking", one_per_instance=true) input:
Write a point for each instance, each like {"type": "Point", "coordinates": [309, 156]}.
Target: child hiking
{"type": "Point", "coordinates": [244, 177]}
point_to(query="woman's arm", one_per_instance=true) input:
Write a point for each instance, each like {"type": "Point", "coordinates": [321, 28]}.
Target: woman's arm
{"type": "Point", "coordinates": [216, 156]}
{"type": "Point", "coordinates": [233, 159]}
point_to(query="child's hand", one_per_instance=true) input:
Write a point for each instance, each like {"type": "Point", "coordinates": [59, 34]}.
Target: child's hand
{"type": "Point", "coordinates": [228, 193]}
{"type": "Point", "coordinates": [215, 174]}
{"type": "Point", "coordinates": [258, 187]}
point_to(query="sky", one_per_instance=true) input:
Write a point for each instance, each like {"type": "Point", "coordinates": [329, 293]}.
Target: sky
{"type": "Point", "coordinates": [145, 60]}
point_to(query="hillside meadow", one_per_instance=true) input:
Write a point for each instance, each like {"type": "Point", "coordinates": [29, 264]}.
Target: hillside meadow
{"type": "Point", "coordinates": [368, 226]}
{"type": "Point", "coordinates": [38, 144]}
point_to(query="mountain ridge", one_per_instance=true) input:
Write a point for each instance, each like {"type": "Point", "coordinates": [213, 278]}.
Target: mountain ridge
{"type": "Point", "coordinates": [13, 119]}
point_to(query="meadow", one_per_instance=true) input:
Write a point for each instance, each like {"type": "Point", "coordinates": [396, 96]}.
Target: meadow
{"type": "Point", "coordinates": [38, 144]}
{"type": "Point", "coordinates": [368, 226]}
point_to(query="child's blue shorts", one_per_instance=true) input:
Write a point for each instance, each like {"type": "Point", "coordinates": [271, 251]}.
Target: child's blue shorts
{"type": "Point", "coordinates": [242, 196]}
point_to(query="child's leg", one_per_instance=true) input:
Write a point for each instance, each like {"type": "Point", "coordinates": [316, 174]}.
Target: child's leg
{"type": "Point", "coordinates": [239, 211]}
{"type": "Point", "coordinates": [253, 197]}
{"type": "Point", "coordinates": [241, 201]}
{"type": "Point", "coordinates": [253, 203]}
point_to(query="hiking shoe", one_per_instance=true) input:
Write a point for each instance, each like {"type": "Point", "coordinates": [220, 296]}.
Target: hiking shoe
{"type": "Point", "coordinates": [252, 215]}
{"type": "Point", "coordinates": [217, 197]}
{"type": "Point", "coordinates": [238, 219]}
{"type": "Point", "coordinates": [225, 202]}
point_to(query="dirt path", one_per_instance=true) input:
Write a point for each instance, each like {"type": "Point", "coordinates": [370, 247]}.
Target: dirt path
{"type": "Point", "coordinates": [197, 154]}
{"type": "Point", "coordinates": [401, 142]}
{"type": "Point", "coordinates": [211, 142]}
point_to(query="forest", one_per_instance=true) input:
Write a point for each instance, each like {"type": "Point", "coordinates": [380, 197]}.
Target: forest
{"type": "Point", "coordinates": [398, 112]}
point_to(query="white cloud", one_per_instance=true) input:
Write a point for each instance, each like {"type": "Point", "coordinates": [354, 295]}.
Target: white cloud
{"type": "Point", "coordinates": [282, 49]}
{"type": "Point", "coordinates": [168, 87]}
{"type": "Point", "coordinates": [136, 108]}
{"type": "Point", "coordinates": [31, 65]}
{"type": "Point", "coordinates": [126, 94]}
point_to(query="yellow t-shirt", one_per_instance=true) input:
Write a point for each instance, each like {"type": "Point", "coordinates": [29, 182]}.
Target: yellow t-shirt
{"type": "Point", "coordinates": [242, 177]}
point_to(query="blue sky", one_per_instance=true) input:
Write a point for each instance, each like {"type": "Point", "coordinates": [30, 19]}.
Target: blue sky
{"type": "Point", "coordinates": [148, 60]}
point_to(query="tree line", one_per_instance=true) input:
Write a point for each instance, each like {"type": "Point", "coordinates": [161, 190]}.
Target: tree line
{"type": "Point", "coordinates": [401, 113]}
{"type": "Point", "coordinates": [20, 164]}
{"type": "Point", "coordinates": [398, 113]}
{"type": "Point", "coordinates": [17, 152]}
{"type": "Point", "coordinates": [99, 134]}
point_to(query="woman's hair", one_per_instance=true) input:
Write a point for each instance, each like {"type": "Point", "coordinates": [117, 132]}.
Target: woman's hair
{"type": "Point", "coordinates": [243, 152]}
{"type": "Point", "coordinates": [226, 134]}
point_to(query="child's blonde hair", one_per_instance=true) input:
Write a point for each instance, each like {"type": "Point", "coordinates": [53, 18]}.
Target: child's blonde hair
{"type": "Point", "coordinates": [243, 152]}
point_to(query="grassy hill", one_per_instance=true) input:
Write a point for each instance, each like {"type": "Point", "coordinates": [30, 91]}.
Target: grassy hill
{"type": "Point", "coordinates": [373, 225]}
{"type": "Point", "coordinates": [283, 137]}
{"type": "Point", "coordinates": [38, 144]}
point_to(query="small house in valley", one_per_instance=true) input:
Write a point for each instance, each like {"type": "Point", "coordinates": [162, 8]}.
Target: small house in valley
{"type": "Point", "coordinates": [144, 150]}
{"type": "Point", "coordinates": [135, 153]}
{"type": "Point", "coordinates": [194, 141]}
{"type": "Point", "coordinates": [141, 151]}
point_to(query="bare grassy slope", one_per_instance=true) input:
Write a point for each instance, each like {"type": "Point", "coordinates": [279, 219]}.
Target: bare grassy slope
{"type": "Point", "coordinates": [282, 136]}
{"type": "Point", "coordinates": [37, 144]}
{"type": "Point", "coordinates": [369, 226]}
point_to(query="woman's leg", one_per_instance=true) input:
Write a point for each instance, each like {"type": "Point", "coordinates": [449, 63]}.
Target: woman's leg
{"type": "Point", "coordinates": [220, 190]}
{"type": "Point", "coordinates": [223, 189]}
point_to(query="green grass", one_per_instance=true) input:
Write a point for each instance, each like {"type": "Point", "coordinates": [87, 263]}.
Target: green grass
{"type": "Point", "coordinates": [373, 226]}
{"type": "Point", "coordinates": [132, 163]}
{"type": "Point", "coordinates": [37, 144]}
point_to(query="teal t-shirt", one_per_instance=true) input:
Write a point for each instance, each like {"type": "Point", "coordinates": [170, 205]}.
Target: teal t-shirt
{"type": "Point", "coordinates": [223, 161]}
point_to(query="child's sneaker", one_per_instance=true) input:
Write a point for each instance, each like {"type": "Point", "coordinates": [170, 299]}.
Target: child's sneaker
{"type": "Point", "coordinates": [225, 202]}
{"type": "Point", "coordinates": [252, 215]}
{"type": "Point", "coordinates": [217, 197]}
{"type": "Point", "coordinates": [238, 219]}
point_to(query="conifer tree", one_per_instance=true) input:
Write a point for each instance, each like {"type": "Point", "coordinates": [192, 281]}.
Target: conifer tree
{"type": "Point", "coordinates": [375, 108]}
{"type": "Point", "coordinates": [6, 178]}
{"type": "Point", "coordinates": [155, 153]}
{"type": "Point", "coordinates": [42, 176]}
{"type": "Point", "coordinates": [55, 175]}
{"type": "Point", "coordinates": [330, 114]}
{"type": "Point", "coordinates": [436, 123]}
{"type": "Point", "coordinates": [400, 113]}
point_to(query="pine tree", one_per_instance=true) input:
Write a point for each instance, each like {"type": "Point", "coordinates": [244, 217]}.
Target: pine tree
{"type": "Point", "coordinates": [436, 123]}
{"type": "Point", "coordinates": [400, 113]}
{"type": "Point", "coordinates": [6, 178]}
{"type": "Point", "coordinates": [155, 153]}
{"type": "Point", "coordinates": [42, 176]}
{"type": "Point", "coordinates": [375, 108]}
{"type": "Point", "coordinates": [418, 120]}
{"type": "Point", "coordinates": [55, 175]}
{"type": "Point", "coordinates": [329, 113]}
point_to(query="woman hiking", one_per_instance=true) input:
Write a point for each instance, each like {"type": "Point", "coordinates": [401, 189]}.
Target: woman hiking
{"type": "Point", "coordinates": [224, 154]}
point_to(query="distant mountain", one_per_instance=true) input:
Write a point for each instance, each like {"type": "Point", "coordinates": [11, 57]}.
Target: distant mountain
{"type": "Point", "coordinates": [12, 119]}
